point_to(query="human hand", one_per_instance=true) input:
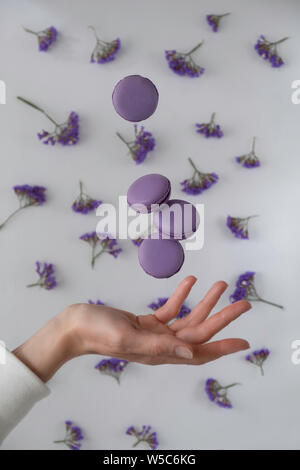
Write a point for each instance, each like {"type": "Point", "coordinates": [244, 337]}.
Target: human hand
{"type": "Point", "coordinates": [148, 339]}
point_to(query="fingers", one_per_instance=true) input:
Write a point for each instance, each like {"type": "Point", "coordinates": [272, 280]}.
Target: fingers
{"type": "Point", "coordinates": [172, 306]}
{"type": "Point", "coordinates": [156, 346]}
{"type": "Point", "coordinates": [206, 330]}
{"type": "Point", "coordinates": [203, 308]}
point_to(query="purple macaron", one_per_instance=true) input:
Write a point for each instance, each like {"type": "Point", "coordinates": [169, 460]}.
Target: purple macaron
{"type": "Point", "coordinates": [147, 190]}
{"type": "Point", "coordinates": [177, 219]}
{"type": "Point", "coordinates": [135, 98]}
{"type": "Point", "coordinates": [161, 258]}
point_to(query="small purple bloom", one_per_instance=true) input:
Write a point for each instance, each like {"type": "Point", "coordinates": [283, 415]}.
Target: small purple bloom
{"type": "Point", "coordinates": [45, 38]}
{"type": "Point", "coordinates": [143, 143]}
{"type": "Point", "coordinates": [66, 133]}
{"type": "Point", "coordinates": [183, 63]}
{"type": "Point", "coordinates": [84, 203]}
{"type": "Point", "coordinates": [28, 196]}
{"type": "Point", "coordinates": [98, 302]}
{"type": "Point", "coordinates": [46, 274]}
{"type": "Point", "coordinates": [214, 20]}
{"type": "Point", "coordinates": [218, 393]}
{"type": "Point", "coordinates": [258, 357]}
{"type": "Point", "coordinates": [73, 436]}
{"type": "Point", "coordinates": [137, 241]}
{"type": "Point", "coordinates": [103, 51]}
{"type": "Point", "coordinates": [239, 226]}
{"type": "Point", "coordinates": [199, 182]}
{"type": "Point", "coordinates": [245, 290]}
{"type": "Point", "coordinates": [249, 160]}
{"type": "Point", "coordinates": [183, 312]}
{"type": "Point", "coordinates": [268, 50]}
{"type": "Point", "coordinates": [113, 367]}
{"type": "Point", "coordinates": [144, 435]}
{"type": "Point", "coordinates": [210, 129]}
{"type": "Point", "coordinates": [105, 242]}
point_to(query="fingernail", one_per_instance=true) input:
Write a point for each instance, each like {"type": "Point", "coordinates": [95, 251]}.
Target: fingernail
{"type": "Point", "coordinates": [183, 352]}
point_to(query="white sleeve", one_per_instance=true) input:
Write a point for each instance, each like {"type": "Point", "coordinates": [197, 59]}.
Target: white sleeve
{"type": "Point", "coordinates": [20, 389]}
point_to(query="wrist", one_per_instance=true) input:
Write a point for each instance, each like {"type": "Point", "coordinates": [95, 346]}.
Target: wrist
{"type": "Point", "coordinates": [49, 348]}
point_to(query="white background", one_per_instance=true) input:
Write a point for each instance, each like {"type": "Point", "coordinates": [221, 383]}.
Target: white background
{"type": "Point", "coordinates": [250, 98]}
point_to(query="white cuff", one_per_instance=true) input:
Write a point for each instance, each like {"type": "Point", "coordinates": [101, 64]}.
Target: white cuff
{"type": "Point", "coordinates": [20, 389]}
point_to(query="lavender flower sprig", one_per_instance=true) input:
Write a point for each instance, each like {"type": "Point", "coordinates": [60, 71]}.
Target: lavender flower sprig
{"type": "Point", "coordinates": [218, 393]}
{"type": "Point", "coordinates": [98, 302]}
{"type": "Point", "coordinates": [246, 290]}
{"type": "Point", "coordinates": [268, 50]}
{"type": "Point", "coordinates": [84, 203]}
{"type": "Point", "coordinates": [113, 367]}
{"type": "Point", "coordinates": [183, 312]}
{"type": "Point", "coordinates": [137, 241]}
{"type": "Point", "coordinates": [66, 133]}
{"type": "Point", "coordinates": [258, 358]}
{"type": "Point", "coordinates": [28, 196]}
{"type": "Point", "coordinates": [103, 51]}
{"type": "Point", "coordinates": [239, 226]}
{"type": "Point", "coordinates": [45, 38]}
{"type": "Point", "coordinates": [46, 274]}
{"type": "Point", "coordinates": [73, 436]}
{"type": "Point", "coordinates": [182, 63]}
{"type": "Point", "coordinates": [104, 242]}
{"type": "Point", "coordinates": [142, 144]}
{"type": "Point", "coordinates": [145, 435]}
{"type": "Point", "coordinates": [199, 182]}
{"type": "Point", "coordinates": [210, 129]}
{"type": "Point", "coordinates": [249, 160]}
{"type": "Point", "coordinates": [214, 20]}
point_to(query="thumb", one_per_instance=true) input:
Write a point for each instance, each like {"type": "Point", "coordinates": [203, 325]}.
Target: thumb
{"type": "Point", "coordinates": [153, 345]}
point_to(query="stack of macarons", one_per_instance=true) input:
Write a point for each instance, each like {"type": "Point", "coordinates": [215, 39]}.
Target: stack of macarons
{"type": "Point", "coordinates": [161, 255]}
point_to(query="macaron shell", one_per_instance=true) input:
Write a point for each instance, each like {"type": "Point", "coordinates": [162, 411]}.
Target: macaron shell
{"type": "Point", "coordinates": [135, 98]}
{"type": "Point", "coordinates": [161, 258]}
{"type": "Point", "coordinates": [179, 223]}
{"type": "Point", "coordinates": [147, 190]}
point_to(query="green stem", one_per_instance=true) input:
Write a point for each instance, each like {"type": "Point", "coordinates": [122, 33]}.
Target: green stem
{"type": "Point", "coordinates": [193, 165]}
{"type": "Point", "coordinates": [30, 31]}
{"type": "Point", "coordinates": [231, 385]}
{"type": "Point", "coordinates": [225, 14]}
{"type": "Point", "coordinates": [270, 303]}
{"type": "Point", "coordinates": [59, 442]}
{"type": "Point", "coordinates": [11, 215]}
{"type": "Point", "coordinates": [137, 442]}
{"type": "Point", "coordinates": [34, 106]}
{"type": "Point", "coordinates": [253, 144]}
{"type": "Point", "coordinates": [212, 118]}
{"type": "Point", "coordinates": [122, 138]}
{"type": "Point", "coordinates": [261, 369]}
{"type": "Point", "coordinates": [280, 41]}
{"type": "Point", "coordinates": [194, 48]}
{"type": "Point", "coordinates": [95, 256]}
{"type": "Point", "coordinates": [81, 188]}
{"type": "Point", "coordinates": [34, 285]}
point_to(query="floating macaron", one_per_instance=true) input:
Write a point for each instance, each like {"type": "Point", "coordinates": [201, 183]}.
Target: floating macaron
{"type": "Point", "coordinates": [148, 190]}
{"type": "Point", "coordinates": [177, 219]}
{"type": "Point", "coordinates": [161, 258]}
{"type": "Point", "coordinates": [135, 98]}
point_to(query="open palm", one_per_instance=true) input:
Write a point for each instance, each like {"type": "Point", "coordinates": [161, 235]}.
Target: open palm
{"type": "Point", "coordinates": [159, 339]}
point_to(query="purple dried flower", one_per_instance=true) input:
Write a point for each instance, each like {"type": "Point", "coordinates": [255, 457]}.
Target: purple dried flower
{"type": "Point", "coordinates": [245, 290]}
{"type": "Point", "coordinates": [106, 243]}
{"type": "Point", "coordinates": [46, 274]}
{"type": "Point", "coordinates": [239, 226]}
{"type": "Point", "coordinates": [218, 393]}
{"type": "Point", "coordinates": [27, 196]}
{"type": "Point", "coordinates": [214, 20]}
{"type": "Point", "coordinates": [66, 133]}
{"type": "Point", "coordinates": [45, 38]}
{"type": "Point", "coordinates": [103, 51]}
{"type": "Point", "coordinates": [249, 160]}
{"type": "Point", "coordinates": [84, 203]}
{"type": "Point", "coordinates": [113, 367]}
{"type": "Point", "coordinates": [73, 436]}
{"type": "Point", "coordinates": [258, 357]}
{"type": "Point", "coordinates": [183, 63]}
{"type": "Point", "coordinates": [143, 143]}
{"type": "Point", "coordinates": [210, 129]}
{"type": "Point", "coordinates": [145, 435]}
{"type": "Point", "coordinates": [183, 312]}
{"type": "Point", "coordinates": [199, 182]}
{"type": "Point", "coordinates": [137, 241]}
{"type": "Point", "coordinates": [268, 50]}
{"type": "Point", "coordinates": [98, 302]}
